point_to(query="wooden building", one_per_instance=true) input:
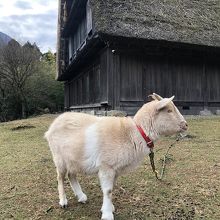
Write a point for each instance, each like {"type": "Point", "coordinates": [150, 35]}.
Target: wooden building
{"type": "Point", "coordinates": [112, 53]}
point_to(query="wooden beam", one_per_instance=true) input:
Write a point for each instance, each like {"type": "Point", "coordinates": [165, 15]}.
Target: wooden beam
{"type": "Point", "coordinates": [94, 105]}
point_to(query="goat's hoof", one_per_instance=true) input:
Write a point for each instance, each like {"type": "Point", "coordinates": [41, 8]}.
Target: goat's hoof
{"type": "Point", "coordinates": [64, 206]}
{"type": "Point", "coordinates": [83, 198]}
{"type": "Point", "coordinates": [107, 216]}
{"type": "Point", "coordinates": [63, 203]}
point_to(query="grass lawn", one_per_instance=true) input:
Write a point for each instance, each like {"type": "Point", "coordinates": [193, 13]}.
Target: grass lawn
{"type": "Point", "coordinates": [190, 189]}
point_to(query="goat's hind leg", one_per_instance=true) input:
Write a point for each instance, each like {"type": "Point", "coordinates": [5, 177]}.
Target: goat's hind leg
{"type": "Point", "coordinates": [61, 191]}
{"type": "Point", "coordinates": [77, 188]}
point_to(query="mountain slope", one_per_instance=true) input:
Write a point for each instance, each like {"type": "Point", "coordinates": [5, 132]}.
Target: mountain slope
{"type": "Point", "coordinates": [4, 39]}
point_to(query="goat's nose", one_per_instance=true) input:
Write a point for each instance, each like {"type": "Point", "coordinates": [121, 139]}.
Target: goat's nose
{"type": "Point", "coordinates": [184, 125]}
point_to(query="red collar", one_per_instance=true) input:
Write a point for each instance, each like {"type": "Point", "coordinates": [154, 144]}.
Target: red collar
{"type": "Point", "coordinates": [149, 142]}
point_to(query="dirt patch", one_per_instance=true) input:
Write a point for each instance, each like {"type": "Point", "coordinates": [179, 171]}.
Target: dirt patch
{"type": "Point", "coordinates": [22, 127]}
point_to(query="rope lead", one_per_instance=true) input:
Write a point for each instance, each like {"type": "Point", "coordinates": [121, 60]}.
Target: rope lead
{"type": "Point", "coordinates": [151, 155]}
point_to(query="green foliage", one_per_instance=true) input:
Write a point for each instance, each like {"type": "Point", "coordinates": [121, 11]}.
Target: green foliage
{"type": "Point", "coordinates": [9, 107]}
{"type": "Point", "coordinates": [27, 82]}
{"type": "Point", "coordinates": [49, 57]}
{"type": "Point", "coordinates": [44, 93]}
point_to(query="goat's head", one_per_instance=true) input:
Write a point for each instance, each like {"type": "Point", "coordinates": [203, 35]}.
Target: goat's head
{"type": "Point", "coordinates": [164, 116]}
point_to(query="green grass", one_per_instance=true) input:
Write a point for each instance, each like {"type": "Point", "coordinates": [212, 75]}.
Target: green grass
{"type": "Point", "coordinates": [190, 189]}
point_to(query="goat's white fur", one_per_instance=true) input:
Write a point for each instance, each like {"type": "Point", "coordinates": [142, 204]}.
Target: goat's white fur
{"type": "Point", "coordinates": [92, 154]}
{"type": "Point", "coordinates": [109, 146]}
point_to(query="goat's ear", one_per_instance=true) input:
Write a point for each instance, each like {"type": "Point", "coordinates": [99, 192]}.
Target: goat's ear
{"type": "Point", "coordinates": [158, 97]}
{"type": "Point", "coordinates": [155, 96]}
{"type": "Point", "coordinates": [151, 97]}
{"type": "Point", "coordinates": [164, 102]}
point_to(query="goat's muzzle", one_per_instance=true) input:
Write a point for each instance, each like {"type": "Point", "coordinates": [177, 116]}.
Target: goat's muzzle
{"type": "Point", "coordinates": [183, 125]}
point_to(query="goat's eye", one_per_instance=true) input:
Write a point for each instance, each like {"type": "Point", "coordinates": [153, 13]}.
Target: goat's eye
{"type": "Point", "coordinates": [169, 111]}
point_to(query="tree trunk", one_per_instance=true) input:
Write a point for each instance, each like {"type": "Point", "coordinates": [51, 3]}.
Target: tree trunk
{"type": "Point", "coordinates": [23, 112]}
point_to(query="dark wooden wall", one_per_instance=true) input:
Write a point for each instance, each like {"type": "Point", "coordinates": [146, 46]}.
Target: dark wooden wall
{"type": "Point", "coordinates": [123, 81]}
{"type": "Point", "coordinates": [213, 82]}
{"type": "Point", "coordinates": [194, 80]}
{"type": "Point", "coordinates": [85, 88]}
{"type": "Point", "coordinates": [179, 76]}
{"type": "Point", "coordinates": [89, 86]}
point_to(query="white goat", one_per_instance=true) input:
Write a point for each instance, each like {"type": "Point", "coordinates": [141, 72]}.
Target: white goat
{"type": "Point", "coordinates": [109, 146]}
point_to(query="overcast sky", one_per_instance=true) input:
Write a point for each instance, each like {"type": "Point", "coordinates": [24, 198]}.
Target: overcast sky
{"type": "Point", "coordinates": [30, 20]}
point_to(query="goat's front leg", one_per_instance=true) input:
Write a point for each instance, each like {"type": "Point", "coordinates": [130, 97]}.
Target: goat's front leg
{"type": "Point", "coordinates": [107, 177]}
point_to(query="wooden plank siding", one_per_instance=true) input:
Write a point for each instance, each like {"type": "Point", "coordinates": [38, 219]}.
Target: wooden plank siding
{"type": "Point", "coordinates": [169, 76]}
{"type": "Point", "coordinates": [66, 95]}
{"type": "Point", "coordinates": [116, 81]}
{"type": "Point", "coordinates": [123, 81]}
{"type": "Point", "coordinates": [103, 77]}
{"type": "Point", "coordinates": [89, 86]}
{"type": "Point", "coordinates": [213, 81]}
{"type": "Point", "coordinates": [131, 79]}
{"type": "Point", "coordinates": [193, 80]}
{"type": "Point", "coordinates": [85, 88]}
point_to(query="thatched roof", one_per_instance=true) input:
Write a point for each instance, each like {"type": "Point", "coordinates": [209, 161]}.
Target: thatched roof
{"type": "Point", "coordinates": [186, 21]}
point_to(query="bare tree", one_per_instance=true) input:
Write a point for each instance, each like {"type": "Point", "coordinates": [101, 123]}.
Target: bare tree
{"type": "Point", "coordinates": [4, 95]}
{"type": "Point", "coordinates": [17, 64]}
